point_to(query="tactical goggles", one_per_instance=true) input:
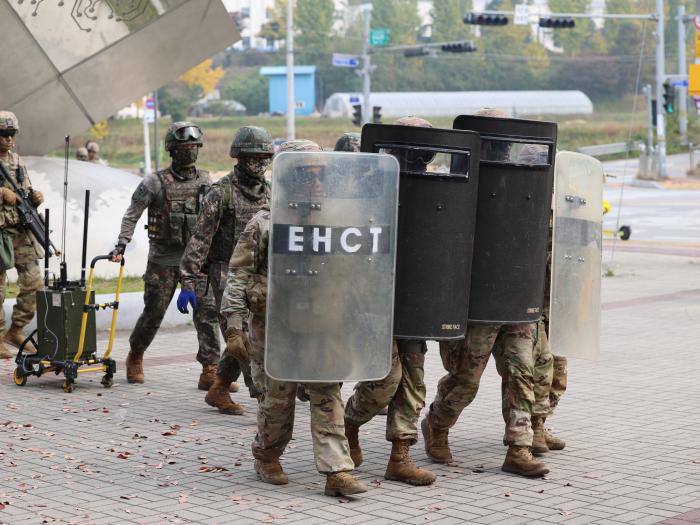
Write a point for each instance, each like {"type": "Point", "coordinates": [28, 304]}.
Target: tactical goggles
{"type": "Point", "coordinates": [8, 133]}
{"type": "Point", "coordinates": [188, 133]}
{"type": "Point", "coordinates": [307, 174]}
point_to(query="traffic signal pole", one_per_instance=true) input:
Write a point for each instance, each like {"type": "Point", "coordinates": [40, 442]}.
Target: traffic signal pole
{"type": "Point", "coordinates": [291, 102]}
{"type": "Point", "coordinates": [683, 71]}
{"type": "Point", "coordinates": [660, 78]}
{"type": "Point", "coordinates": [366, 63]}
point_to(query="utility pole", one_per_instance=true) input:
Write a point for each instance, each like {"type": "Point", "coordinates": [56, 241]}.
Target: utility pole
{"type": "Point", "coordinates": [660, 78]}
{"type": "Point", "coordinates": [366, 62]}
{"type": "Point", "coordinates": [683, 71]}
{"type": "Point", "coordinates": [146, 145]}
{"type": "Point", "coordinates": [291, 102]}
{"type": "Point", "coordinates": [156, 148]}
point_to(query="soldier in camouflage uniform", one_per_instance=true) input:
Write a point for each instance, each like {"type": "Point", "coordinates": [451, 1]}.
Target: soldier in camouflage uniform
{"type": "Point", "coordinates": [348, 142]}
{"type": "Point", "coordinates": [172, 196]}
{"type": "Point", "coordinates": [26, 249]}
{"type": "Point", "coordinates": [226, 209]}
{"type": "Point", "coordinates": [245, 300]}
{"type": "Point", "coordinates": [513, 347]}
{"type": "Point", "coordinates": [403, 391]}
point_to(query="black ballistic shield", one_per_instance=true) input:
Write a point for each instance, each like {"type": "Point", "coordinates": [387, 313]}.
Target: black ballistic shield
{"type": "Point", "coordinates": [437, 210]}
{"type": "Point", "coordinates": [516, 176]}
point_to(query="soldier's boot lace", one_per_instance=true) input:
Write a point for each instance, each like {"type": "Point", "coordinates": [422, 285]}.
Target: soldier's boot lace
{"type": "Point", "coordinates": [207, 377]}
{"type": "Point", "coordinates": [402, 468]}
{"type": "Point", "coordinates": [539, 443]}
{"type": "Point", "coordinates": [343, 484]}
{"type": "Point", "coordinates": [218, 397]}
{"type": "Point", "coordinates": [352, 435]}
{"type": "Point", "coordinates": [437, 446]}
{"type": "Point", "coordinates": [134, 367]}
{"type": "Point", "coordinates": [4, 352]}
{"type": "Point", "coordinates": [519, 460]}
{"type": "Point", "coordinates": [15, 337]}
{"type": "Point", "coordinates": [271, 471]}
{"type": "Point", "coordinates": [553, 442]}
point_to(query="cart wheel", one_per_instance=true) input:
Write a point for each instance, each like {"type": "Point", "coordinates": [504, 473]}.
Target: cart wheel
{"type": "Point", "coordinates": [20, 379]}
{"type": "Point", "coordinates": [107, 381]}
{"type": "Point", "coordinates": [625, 232]}
{"type": "Point", "coordinates": [67, 386]}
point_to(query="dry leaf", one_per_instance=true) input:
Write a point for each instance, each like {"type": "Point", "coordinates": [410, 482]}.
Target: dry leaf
{"type": "Point", "coordinates": [184, 498]}
{"type": "Point", "coordinates": [565, 512]}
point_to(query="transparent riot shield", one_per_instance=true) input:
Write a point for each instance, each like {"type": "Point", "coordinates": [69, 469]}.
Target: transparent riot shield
{"type": "Point", "coordinates": [574, 319]}
{"type": "Point", "coordinates": [331, 266]}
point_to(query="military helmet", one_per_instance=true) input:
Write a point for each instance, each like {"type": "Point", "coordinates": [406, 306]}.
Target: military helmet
{"type": "Point", "coordinates": [251, 140]}
{"type": "Point", "coordinates": [81, 154]}
{"type": "Point", "coordinates": [348, 142]}
{"type": "Point", "coordinates": [413, 121]}
{"type": "Point", "coordinates": [184, 132]}
{"type": "Point", "coordinates": [8, 120]}
{"type": "Point", "coordinates": [492, 112]}
{"type": "Point", "coordinates": [92, 146]}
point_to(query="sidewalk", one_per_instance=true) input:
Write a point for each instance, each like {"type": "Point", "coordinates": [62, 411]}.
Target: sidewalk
{"type": "Point", "coordinates": [155, 453]}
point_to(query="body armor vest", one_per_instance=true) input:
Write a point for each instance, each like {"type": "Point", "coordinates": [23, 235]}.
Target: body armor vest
{"type": "Point", "coordinates": [237, 210]}
{"type": "Point", "coordinates": [173, 222]}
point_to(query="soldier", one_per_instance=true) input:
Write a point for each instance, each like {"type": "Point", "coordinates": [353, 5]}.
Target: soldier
{"type": "Point", "coordinates": [402, 391]}
{"type": "Point", "coordinates": [26, 249]}
{"type": "Point", "coordinates": [513, 347]}
{"type": "Point", "coordinates": [81, 154]}
{"type": "Point", "coordinates": [93, 150]}
{"type": "Point", "coordinates": [245, 295]}
{"type": "Point", "coordinates": [172, 196]}
{"type": "Point", "coordinates": [348, 142]}
{"type": "Point", "coordinates": [228, 206]}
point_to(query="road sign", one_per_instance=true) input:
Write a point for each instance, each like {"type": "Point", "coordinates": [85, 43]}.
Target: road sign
{"type": "Point", "coordinates": [697, 43]}
{"type": "Point", "coordinates": [354, 100]}
{"type": "Point", "coordinates": [378, 37]}
{"type": "Point", "coordinates": [522, 15]}
{"type": "Point", "coordinates": [694, 80]}
{"type": "Point", "coordinates": [150, 103]}
{"type": "Point", "coordinates": [340, 60]}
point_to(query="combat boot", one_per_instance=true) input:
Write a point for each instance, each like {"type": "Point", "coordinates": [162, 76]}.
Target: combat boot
{"type": "Point", "coordinates": [343, 484]}
{"type": "Point", "coordinates": [234, 387]}
{"type": "Point", "coordinates": [539, 443]}
{"type": "Point", "coordinates": [134, 367]}
{"type": "Point", "coordinates": [402, 468]}
{"type": "Point", "coordinates": [15, 337]}
{"type": "Point", "coordinates": [553, 442]}
{"type": "Point", "coordinates": [4, 352]}
{"type": "Point", "coordinates": [207, 377]}
{"type": "Point", "coordinates": [436, 445]}
{"type": "Point", "coordinates": [218, 397]}
{"type": "Point", "coordinates": [519, 460]}
{"type": "Point", "coordinates": [271, 472]}
{"type": "Point", "coordinates": [351, 433]}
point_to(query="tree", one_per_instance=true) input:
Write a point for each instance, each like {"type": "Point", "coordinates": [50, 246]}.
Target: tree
{"type": "Point", "coordinates": [447, 19]}
{"type": "Point", "coordinates": [204, 76]}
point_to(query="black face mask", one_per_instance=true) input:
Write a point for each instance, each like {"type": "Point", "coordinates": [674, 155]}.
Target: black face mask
{"type": "Point", "coordinates": [184, 157]}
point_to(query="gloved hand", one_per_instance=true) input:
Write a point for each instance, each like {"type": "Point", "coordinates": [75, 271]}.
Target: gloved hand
{"type": "Point", "coordinates": [37, 198]}
{"type": "Point", "coordinates": [117, 252]}
{"type": "Point", "coordinates": [186, 297]}
{"type": "Point", "coordinates": [8, 196]}
{"type": "Point", "coordinates": [237, 345]}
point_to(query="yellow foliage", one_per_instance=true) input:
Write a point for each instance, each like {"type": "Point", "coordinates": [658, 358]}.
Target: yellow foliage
{"type": "Point", "coordinates": [99, 131]}
{"type": "Point", "coordinates": [204, 76]}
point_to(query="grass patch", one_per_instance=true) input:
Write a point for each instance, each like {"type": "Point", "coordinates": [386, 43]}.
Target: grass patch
{"type": "Point", "coordinates": [100, 285]}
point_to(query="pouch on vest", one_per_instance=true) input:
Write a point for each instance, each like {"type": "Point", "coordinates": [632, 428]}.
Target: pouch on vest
{"type": "Point", "coordinates": [7, 252]}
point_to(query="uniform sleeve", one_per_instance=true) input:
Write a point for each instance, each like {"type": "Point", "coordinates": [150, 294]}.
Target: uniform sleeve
{"type": "Point", "coordinates": [243, 266]}
{"type": "Point", "coordinates": [198, 246]}
{"type": "Point", "coordinates": [143, 196]}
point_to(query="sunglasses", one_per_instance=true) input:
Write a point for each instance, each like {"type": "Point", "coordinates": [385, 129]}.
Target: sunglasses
{"type": "Point", "coordinates": [8, 133]}
{"type": "Point", "coordinates": [188, 133]}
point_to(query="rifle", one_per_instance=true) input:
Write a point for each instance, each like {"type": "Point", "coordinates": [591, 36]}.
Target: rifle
{"type": "Point", "coordinates": [28, 216]}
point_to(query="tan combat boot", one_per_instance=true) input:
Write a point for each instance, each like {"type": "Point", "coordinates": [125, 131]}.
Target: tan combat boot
{"type": "Point", "coordinates": [402, 468]}
{"type": "Point", "coordinates": [519, 460]}
{"type": "Point", "coordinates": [539, 443]}
{"type": "Point", "coordinates": [553, 442]}
{"type": "Point", "coordinates": [234, 387]}
{"type": "Point", "coordinates": [343, 484]}
{"type": "Point", "coordinates": [15, 337]}
{"type": "Point", "coordinates": [271, 472]}
{"type": "Point", "coordinates": [436, 445]}
{"type": "Point", "coordinates": [134, 367]}
{"type": "Point", "coordinates": [4, 352]}
{"type": "Point", "coordinates": [351, 433]}
{"type": "Point", "coordinates": [218, 397]}
{"type": "Point", "coordinates": [207, 377]}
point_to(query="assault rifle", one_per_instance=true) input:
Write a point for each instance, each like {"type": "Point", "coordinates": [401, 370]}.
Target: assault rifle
{"type": "Point", "coordinates": [28, 216]}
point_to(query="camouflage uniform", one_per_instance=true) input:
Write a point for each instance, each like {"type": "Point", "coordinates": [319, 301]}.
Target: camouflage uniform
{"type": "Point", "coordinates": [245, 300]}
{"type": "Point", "coordinates": [225, 210]}
{"type": "Point", "coordinates": [172, 202]}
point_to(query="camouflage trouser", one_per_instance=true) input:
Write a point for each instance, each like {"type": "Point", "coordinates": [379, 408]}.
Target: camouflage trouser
{"type": "Point", "coordinates": [549, 391]}
{"type": "Point", "coordinates": [276, 420]}
{"type": "Point", "coordinates": [28, 281]}
{"type": "Point", "coordinates": [544, 367]}
{"type": "Point", "coordinates": [403, 390]}
{"type": "Point", "coordinates": [465, 361]}
{"type": "Point", "coordinates": [229, 369]}
{"type": "Point", "coordinates": [160, 285]}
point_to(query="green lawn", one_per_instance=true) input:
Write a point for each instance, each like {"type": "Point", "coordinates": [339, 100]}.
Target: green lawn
{"type": "Point", "coordinates": [100, 285]}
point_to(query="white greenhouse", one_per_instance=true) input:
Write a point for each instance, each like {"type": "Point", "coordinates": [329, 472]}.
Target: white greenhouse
{"type": "Point", "coordinates": [453, 103]}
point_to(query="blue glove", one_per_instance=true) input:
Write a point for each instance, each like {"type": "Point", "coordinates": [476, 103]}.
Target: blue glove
{"type": "Point", "coordinates": [186, 297]}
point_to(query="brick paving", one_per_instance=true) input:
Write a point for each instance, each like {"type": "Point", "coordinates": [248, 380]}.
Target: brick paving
{"type": "Point", "coordinates": [155, 453]}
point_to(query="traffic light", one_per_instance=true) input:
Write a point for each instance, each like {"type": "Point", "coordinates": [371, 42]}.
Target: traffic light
{"type": "Point", "coordinates": [415, 52]}
{"type": "Point", "coordinates": [376, 114]}
{"type": "Point", "coordinates": [481, 19]}
{"type": "Point", "coordinates": [669, 97]}
{"type": "Point", "coordinates": [357, 114]}
{"type": "Point", "coordinates": [458, 47]}
{"type": "Point", "coordinates": [557, 23]}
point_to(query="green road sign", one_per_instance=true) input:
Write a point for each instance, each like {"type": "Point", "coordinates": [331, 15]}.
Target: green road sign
{"type": "Point", "coordinates": [378, 37]}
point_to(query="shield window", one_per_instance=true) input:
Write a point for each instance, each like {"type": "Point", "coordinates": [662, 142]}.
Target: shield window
{"type": "Point", "coordinates": [508, 151]}
{"type": "Point", "coordinates": [424, 160]}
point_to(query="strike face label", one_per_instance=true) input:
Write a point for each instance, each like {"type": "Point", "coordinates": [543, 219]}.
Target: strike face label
{"type": "Point", "coordinates": [294, 239]}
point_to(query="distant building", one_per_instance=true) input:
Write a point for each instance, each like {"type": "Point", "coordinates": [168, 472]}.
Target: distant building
{"type": "Point", "coordinates": [304, 89]}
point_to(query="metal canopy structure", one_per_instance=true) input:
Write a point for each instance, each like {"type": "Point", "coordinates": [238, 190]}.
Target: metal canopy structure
{"type": "Point", "coordinates": [76, 62]}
